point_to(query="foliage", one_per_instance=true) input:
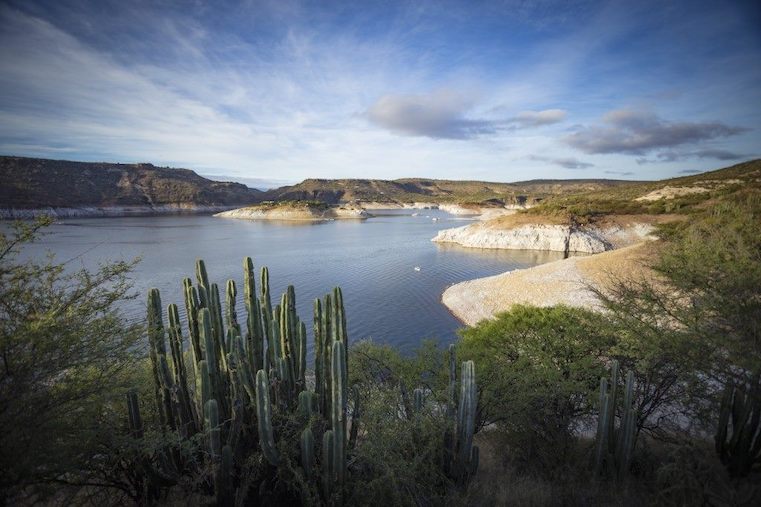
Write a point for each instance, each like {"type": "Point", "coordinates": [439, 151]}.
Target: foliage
{"type": "Point", "coordinates": [539, 371]}
{"type": "Point", "coordinates": [408, 462]}
{"type": "Point", "coordinates": [700, 321]}
{"type": "Point", "coordinates": [65, 356]}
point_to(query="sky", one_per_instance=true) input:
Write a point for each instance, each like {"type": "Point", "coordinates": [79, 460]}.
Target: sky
{"type": "Point", "coordinates": [273, 92]}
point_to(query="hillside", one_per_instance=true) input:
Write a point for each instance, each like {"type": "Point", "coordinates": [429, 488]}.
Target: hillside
{"type": "Point", "coordinates": [28, 183]}
{"type": "Point", "coordinates": [435, 191]}
{"type": "Point", "coordinates": [676, 195]}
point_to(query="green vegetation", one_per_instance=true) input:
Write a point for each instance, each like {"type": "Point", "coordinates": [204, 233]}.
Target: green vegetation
{"type": "Point", "coordinates": [728, 183]}
{"type": "Point", "coordinates": [66, 359]}
{"type": "Point", "coordinates": [656, 400]}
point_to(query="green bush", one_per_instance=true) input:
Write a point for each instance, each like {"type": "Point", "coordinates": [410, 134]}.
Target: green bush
{"type": "Point", "coordinates": [539, 369]}
{"type": "Point", "coordinates": [66, 355]}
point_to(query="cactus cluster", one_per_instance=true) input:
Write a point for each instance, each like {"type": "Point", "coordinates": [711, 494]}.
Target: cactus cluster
{"type": "Point", "coordinates": [460, 456]}
{"type": "Point", "coordinates": [738, 436]}
{"type": "Point", "coordinates": [249, 379]}
{"type": "Point", "coordinates": [615, 445]}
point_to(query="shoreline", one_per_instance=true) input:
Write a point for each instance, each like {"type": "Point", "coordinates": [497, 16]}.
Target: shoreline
{"type": "Point", "coordinates": [564, 281]}
{"type": "Point", "coordinates": [111, 211]}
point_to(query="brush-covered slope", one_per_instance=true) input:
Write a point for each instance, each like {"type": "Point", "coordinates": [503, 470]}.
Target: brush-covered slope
{"type": "Point", "coordinates": [435, 191]}
{"type": "Point", "coordinates": [27, 183]}
{"type": "Point", "coordinates": [676, 195]}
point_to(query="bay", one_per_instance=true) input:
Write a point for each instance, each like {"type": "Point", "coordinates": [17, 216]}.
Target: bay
{"type": "Point", "coordinates": [391, 274]}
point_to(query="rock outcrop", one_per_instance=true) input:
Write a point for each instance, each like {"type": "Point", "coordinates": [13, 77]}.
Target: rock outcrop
{"type": "Point", "coordinates": [294, 212]}
{"type": "Point", "coordinates": [558, 238]}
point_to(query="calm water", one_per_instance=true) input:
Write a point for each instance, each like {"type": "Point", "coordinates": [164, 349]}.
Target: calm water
{"type": "Point", "coordinates": [373, 261]}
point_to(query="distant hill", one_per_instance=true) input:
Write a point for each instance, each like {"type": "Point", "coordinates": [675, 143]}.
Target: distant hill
{"type": "Point", "coordinates": [29, 183]}
{"type": "Point", "coordinates": [430, 190]}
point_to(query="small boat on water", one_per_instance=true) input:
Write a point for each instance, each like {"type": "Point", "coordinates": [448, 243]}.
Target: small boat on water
{"type": "Point", "coordinates": [417, 268]}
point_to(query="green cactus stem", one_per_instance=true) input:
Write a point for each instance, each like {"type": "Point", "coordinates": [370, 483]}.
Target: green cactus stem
{"type": "Point", "coordinates": [133, 410]}
{"type": "Point", "coordinates": [307, 452]}
{"type": "Point", "coordinates": [338, 411]}
{"type": "Point", "coordinates": [264, 419]}
{"type": "Point", "coordinates": [614, 446]}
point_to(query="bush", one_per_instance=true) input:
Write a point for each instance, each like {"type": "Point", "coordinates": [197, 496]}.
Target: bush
{"type": "Point", "coordinates": [65, 356]}
{"type": "Point", "coordinates": [539, 370]}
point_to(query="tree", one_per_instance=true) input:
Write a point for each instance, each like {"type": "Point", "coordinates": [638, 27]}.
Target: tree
{"type": "Point", "coordinates": [701, 318]}
{"type": "Point", "coordinates": [65, 355]}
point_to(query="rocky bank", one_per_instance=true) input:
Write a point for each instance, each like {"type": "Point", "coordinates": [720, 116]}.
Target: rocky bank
{"type": "Point", "coordinates": [559, 238]}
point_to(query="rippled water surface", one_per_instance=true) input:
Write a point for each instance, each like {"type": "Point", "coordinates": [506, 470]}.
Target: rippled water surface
{"type": "Point", "coordinates": [373, 261]}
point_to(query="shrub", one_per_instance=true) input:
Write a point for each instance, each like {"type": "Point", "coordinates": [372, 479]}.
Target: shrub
{"type": "Point", "coordinates": [539, 370]}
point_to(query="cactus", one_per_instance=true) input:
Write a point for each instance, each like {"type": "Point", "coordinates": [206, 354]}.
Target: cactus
{"type": "Point", "coordinates": [327, 462]}
{"type": "Point", "coordinates": [255, 335]}
{"type": "Point", "coordinates": [614, 446]}
{"type": "Point", "coordinates": [338, 410]}
{"type": "Point", "coordinates": [231, 293]}
{"type": "Point", "coordinates": [460, 458]}
{"type": "Point", "coordinates": [307, 452]}
{"type": "Point", "coordinates": [264, 418]}
{"type": "Point", "coordinates": [135, 420]}
{"type": "Point", "coordinates": [252, 372]}
{"type": "Point", "coordinates": [466, 452]}
{"type": "Point", "coordinates": [740, 448]}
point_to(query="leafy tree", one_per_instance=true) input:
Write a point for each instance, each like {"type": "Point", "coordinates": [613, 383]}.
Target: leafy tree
{"type": "Point", "coordinates": [65, 353]}
{"type": "Point", "coordinates": [700, 321]}
{"type": "Point", "coordinates": [539, 369]}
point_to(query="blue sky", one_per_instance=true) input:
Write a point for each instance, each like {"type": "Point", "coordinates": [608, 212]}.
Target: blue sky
{"type": "Point", "coordinates": [282, 90]}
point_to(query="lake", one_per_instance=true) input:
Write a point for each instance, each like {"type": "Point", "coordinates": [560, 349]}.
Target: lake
{"type": "Point", "coordinates": [373, 261]}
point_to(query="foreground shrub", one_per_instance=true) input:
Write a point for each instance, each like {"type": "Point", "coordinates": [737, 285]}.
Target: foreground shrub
{"type": "Point", "coordinates": [540, 369]}
{"type": "Point", "coordinates": [66, 356]}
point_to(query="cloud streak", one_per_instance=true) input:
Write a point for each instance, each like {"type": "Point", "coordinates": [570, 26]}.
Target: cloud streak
{"type": "Point", "coordinates": [639, 132]}
{"type": "Point", "coordinates": [444, 114]}
{"type": "Point", "coordinates": [564, 162]}
{"type": "Point", "coordinates": [440, 115]}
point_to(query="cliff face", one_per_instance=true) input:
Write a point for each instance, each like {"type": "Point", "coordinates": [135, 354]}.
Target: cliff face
{"type": "Point", "coordinates": [558, 238]}
{"type": "Point", "coordinates": [29, 183]}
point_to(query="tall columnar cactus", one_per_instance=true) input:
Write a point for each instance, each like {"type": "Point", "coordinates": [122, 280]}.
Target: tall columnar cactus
{"type": "Point", "coordinates": [184, 398]}
{"type": "Point", "coordinates": [231, 294]}
{"type": "Point", "coordinates": [460, 457]}
{"type": "Point", "coordinates": [255, 334]}
{"type": "Point", "coordinates": [338, 410]}
{"type": "Point", "coordinates": [615, 445]}
{"type": "Point", "coordinates": [251, 376]}
{"type": "Point", "coordinates": [466, 453]}
{"type": "Point", "coordinates": [738, 435]}
{"type": "Point", "coordinates": [157, 350]}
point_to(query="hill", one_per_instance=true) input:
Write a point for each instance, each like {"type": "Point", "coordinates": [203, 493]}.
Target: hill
{"type": "Point", "coordinates": [32, 183]}
{"type": "Point", "coordinates": [675, 195]}
{"type": "Point", "coordinates": [436, 191]}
